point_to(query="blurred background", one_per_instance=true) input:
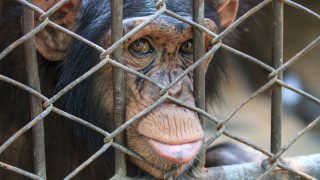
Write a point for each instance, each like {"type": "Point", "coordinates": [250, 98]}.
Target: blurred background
{"type": "Point", "coordinates": [253, 121]}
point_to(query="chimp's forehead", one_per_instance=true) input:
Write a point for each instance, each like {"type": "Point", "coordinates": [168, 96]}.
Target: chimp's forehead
{"type": "Point", "coordinates": [147, 7]}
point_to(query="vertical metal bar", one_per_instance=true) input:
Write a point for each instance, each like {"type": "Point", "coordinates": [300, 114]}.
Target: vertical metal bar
{"type": "Point", "coordinates": [277, 58]}
{"type": "Point", "coordinates": [35, 103]}
{"type": "Point", "coordinates": [199, 72]}
{"type": "Point", "coordinates": [199, 51]}
{"type": "Point", "coordinates": [118, 85]}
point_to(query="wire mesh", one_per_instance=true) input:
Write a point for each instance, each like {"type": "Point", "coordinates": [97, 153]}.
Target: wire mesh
{"type": "Point", "coordinates": [274, 81]}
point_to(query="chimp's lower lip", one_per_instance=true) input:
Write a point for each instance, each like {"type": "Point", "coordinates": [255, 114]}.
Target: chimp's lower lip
{"type": "Point", "coordinates": [178, 153]}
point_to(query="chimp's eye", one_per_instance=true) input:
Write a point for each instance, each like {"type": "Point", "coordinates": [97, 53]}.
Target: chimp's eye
{"type": "Point", "coordinates": [141, 47]}
{"type": "Point", "coordinates": [187, 47]}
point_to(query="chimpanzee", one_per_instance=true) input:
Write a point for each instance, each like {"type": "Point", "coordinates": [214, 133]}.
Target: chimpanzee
{"type": "Point", "coordinates": [168, 136]}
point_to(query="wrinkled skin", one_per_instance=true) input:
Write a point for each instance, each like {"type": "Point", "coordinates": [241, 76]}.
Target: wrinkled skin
{"type": "Point", "coordinates": [168, 123]}
{"type": "Point", "coordinates": [168, 136]}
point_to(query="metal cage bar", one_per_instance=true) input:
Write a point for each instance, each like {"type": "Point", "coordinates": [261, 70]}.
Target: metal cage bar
{"type": "Point", "coordinates": [118, 85]}
{"type": "Point", "coordinates": [199, 51]}
{"type": "Point", "coordinates": [277, 58]}
{"type": "Point", "coordinates": [199, 72]}
{"type": "Point", "coordinates": [35, 103]}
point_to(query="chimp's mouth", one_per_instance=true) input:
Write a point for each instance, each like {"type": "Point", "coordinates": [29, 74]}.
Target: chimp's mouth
{"type": "Point", "coordinates": [177, 153]}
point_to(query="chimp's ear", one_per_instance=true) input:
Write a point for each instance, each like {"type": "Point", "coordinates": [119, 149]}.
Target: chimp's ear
{"type": "Point", "coordinates": [51, 43]}
{"type": "Point", "coordinates": [226, 10]}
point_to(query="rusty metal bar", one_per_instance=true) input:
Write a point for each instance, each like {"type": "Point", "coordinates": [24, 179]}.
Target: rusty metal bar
{"type": "Point", "coordinates": [199, 51]}
{"type": "Point", "coordinates": [199, 72]}
{"type": "Point", "coordinates": [35, 103]}
{"type": "Point", "coordinates": [119, 94]}
{"type": "Point", "coordinates": [277, 58]}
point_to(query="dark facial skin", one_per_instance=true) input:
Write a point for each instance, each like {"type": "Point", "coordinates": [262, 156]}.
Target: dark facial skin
{"type": "Point", "coordinates": [169, 135]}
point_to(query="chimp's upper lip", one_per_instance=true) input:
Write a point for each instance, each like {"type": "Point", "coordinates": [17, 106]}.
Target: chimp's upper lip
{"type": "Point", "coordinates": [178, 153]}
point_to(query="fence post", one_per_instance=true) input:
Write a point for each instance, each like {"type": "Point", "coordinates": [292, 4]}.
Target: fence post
{"type": "Point", "coordinates": [118, 85]}
{"type": "Point", "coordinates": [199, 72]}
{"type": "Point", "coordinates": [35, 103]}
{"type": "Point", "coordinates": [277, 58]}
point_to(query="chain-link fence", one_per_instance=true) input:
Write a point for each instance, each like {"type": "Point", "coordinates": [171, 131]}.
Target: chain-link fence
{"type": "Point", "coordinates": [42, 106]}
